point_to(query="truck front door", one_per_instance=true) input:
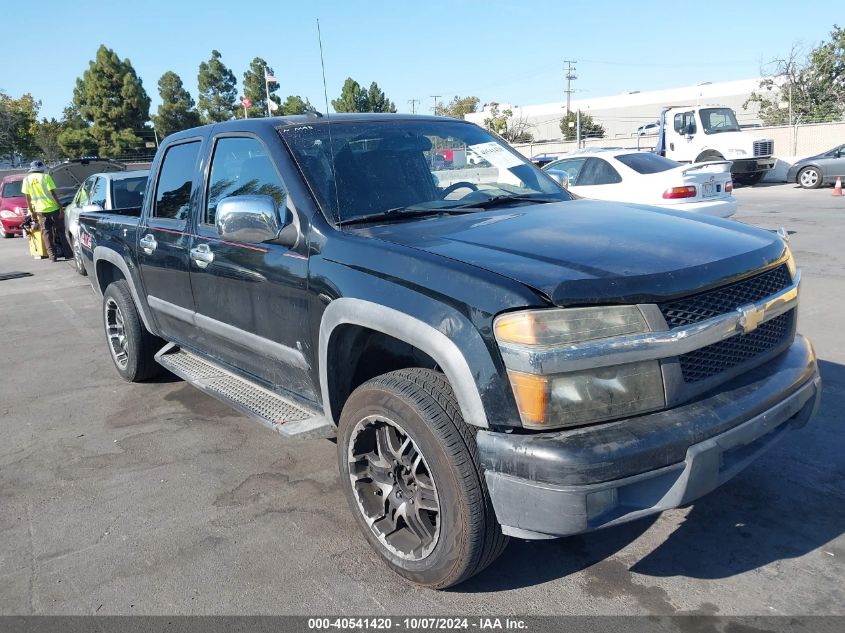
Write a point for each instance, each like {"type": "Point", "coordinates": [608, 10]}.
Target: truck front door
{"type": "Point", "coordinates": [681, 137]}
{"type": "Point", "coordinates": [251, 299]}
{"type": "Point", "coordinates": [164, 242]}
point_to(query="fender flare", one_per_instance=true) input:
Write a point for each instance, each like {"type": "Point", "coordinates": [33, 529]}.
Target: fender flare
{"type": "Point", "coordinates": [107, 254]}
{"type": "Point", "coordinates": [411, 330]}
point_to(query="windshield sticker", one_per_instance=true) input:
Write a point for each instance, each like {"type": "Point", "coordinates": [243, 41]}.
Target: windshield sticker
{"type": "Point", "coordinates": [496, 155]}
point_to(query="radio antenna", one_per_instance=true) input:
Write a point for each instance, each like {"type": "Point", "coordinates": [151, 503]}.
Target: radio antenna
{"type": "Point", "coordinates": [329, 124]}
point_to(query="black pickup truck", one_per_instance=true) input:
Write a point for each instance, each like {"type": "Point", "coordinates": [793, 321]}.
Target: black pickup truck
{"type": "Point", "coordinates": [495, 357]}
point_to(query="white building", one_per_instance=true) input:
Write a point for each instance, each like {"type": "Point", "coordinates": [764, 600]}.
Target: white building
{"type": "Point", "coordinates": [621, 115]}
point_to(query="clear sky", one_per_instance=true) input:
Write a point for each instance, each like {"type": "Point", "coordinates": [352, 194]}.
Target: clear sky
{"type": "Point", "coordinates": [509, 52]}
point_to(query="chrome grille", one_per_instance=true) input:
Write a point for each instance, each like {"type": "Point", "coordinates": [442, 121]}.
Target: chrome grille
{"type": "Point", "coordinates": [764, 147]}
{"type": "Point", "coordinates": [707, 305]}
{"type": "Point", "coordinates": [714, 359]}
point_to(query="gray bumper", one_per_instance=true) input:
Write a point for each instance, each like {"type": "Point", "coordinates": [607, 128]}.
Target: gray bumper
{"type": "Point", "coordinates": [556, 484]}
{"type": "Point", "coordinates": [752, 165]}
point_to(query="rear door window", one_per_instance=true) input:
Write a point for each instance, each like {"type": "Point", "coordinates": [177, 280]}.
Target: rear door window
{"type": "Point", "coordinates": [597, 171]}
{"type": "Point", "coordinates": [175, 181]}
{"type": "Point", "coordinates": [647, 162]}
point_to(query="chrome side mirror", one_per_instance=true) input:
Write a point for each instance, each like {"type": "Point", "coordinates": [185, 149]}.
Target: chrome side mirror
{"type": "Point", "coordinates": [247, 219]}
{"type": "Point", "coordinates": [92, 208]}
{"type": "Point", "coordinates": [561, 177]}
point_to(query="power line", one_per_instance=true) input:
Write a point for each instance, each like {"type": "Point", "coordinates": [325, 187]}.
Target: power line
{"type": "Point", "coordinates": [435, 97]}
{"type": "Point", "coordinates": [413, 103]}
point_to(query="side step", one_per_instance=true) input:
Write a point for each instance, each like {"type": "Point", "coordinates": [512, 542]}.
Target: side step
{"type": "Point", "coordinates": [269, 408]}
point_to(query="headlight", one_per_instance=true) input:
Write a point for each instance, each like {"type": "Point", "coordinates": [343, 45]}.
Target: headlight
{"type": "Point", "coordinates": [5, 213]}
{"type": "Point", "coordinates": [580, 397]}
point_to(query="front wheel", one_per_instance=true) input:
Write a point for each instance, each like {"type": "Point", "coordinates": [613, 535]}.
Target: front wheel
{"type": "Point", "coordinates": [810, 178]}
{"type": "Point", "coordinates": [409, 469]}
{"type": "Point", "coordinates": [132, 347]}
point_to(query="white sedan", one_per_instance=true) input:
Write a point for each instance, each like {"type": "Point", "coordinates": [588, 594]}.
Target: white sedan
{"type": "Point", "coordinates": [647, 178]}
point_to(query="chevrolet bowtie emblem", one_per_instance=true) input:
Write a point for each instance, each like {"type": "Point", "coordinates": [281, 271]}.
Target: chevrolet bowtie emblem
{"type": "Point", "coordinates": [749, 318]}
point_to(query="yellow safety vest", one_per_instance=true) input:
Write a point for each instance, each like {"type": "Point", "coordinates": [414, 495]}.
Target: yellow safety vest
{"type": "Point", "coordinates": [38, 187]}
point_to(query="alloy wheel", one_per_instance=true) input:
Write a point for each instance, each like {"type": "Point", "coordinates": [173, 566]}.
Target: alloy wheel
{"type": "Point", "coordinates": [116, 333]}
{"type": "Point", "coordinates": [393, 488]}
{"type": "Point", "coordinates": [809, 178]}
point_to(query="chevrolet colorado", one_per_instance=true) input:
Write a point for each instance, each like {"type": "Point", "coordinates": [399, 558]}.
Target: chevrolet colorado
{"type": "Point", "coordinates": [494, 357]}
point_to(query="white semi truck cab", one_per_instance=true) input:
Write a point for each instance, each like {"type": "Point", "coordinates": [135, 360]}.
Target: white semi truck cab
{"type": "Point", "coordinates": [695, 134]}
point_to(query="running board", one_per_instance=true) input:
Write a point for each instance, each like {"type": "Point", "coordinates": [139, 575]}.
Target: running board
{"type": "Point", "coordinates": [268, 407]}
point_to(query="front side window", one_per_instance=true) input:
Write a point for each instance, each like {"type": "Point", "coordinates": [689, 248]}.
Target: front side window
{"type": "Point", "coordinates": [175, 181]}
{"type": "Point", "coordinates": [241, 167]}
{"type": "Point", "coordinates": [365, 169]}
{"type": "Point", "coordinates": [571, 168]}
{"type": "Point", "coordinates": [98, 193]}
{"type": "Point", "coordinates": [685, 123]}
{"type": "Point", "coordinates": [716, 120]}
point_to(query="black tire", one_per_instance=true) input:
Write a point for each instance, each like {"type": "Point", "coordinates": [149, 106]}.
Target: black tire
{"type": "Point", "coordinates": [131, 346]}
{"type": "Point", "coordinates": [421, 404]}
{"type": "Point", "coordinates": [810, 178]}
{"type": "Point", "coordinates": [77, 257]}
{"type": "Point", "coordinates": [708, 157]}
{"type": "Point", "coordinates": [749, 180]}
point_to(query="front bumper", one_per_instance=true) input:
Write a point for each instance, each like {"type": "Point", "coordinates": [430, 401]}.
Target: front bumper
{"type": "Point", "coordinates": [12, 225]}
{"type": "Point", "coordinates": [544, 485]}
{"type": "Point", "coordinates": [752, 165]}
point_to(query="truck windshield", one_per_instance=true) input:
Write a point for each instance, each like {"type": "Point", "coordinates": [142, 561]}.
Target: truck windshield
{"type": "Point", "coordinates": [407, 168]}
{"type": "Point", "coordinates": [717, 120]}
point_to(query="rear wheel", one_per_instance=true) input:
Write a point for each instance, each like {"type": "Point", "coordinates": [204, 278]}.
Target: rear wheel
{"type": "Point", "coordinates": [131, 346]}
{"type": "Point", "coordinates": [810, 178]}
{"type": "Point", "coordinates": [77, 258]}
{"type": "Point", "coordinates": [409, 469]}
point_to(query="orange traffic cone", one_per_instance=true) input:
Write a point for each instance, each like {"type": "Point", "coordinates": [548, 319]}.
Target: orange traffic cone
{"type": "Point", "coordinates": [837, 188]}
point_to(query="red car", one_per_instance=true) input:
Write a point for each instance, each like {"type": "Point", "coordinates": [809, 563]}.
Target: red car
{"type": "Point", "coordinates": [12, 205]}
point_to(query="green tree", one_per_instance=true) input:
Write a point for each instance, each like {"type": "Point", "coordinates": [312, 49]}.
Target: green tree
{"type": "Point", "coordinates": [589, 127]}
{"type": "Point", "coordinates": [503, 122]}
{"type": "Point", "coordinates": [18, 122]}
{"type": "Point", "coordinates": [177, 111]}
{"type": "Point", "coordinates": [377, 101]}
{"type": "Point", "coordinates": [75, 139]}
{"type": "Point", "coordinates": [255, 91]}
{"type": "Point", "coordinates": [458, 107]}
{"type": "Point", "coordinates": [217, 90]}
{"type": "Point", "coordinates": [812, 84]}
{"type": "Point", "coordinates": [353, 98]}
{"type": "Point", "coordinates": [294, 104]}
{"type": "Point", "coordinates": [111, 96]}
{"type": "Point", "coordinates": [46, 137]}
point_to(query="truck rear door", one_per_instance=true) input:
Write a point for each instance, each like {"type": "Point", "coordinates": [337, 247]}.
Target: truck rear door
{"type": "Point", "coordinates": [165, 240]}
{"type": "Point", "coordinates": [251, 298]}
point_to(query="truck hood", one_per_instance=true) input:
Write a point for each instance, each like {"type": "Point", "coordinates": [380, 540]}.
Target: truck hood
{"type": "Point", "coordinates": [589, 251]}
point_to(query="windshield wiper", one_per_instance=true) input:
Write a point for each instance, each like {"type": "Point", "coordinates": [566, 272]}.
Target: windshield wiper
{"type": "Point", "coordinates": [398, 214]}
{"type": "Point", "coordinates": [497, 201]}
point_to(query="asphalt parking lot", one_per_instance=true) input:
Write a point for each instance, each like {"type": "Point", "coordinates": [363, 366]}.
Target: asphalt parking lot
{"type": "Point", "coordinates": [155, 499]}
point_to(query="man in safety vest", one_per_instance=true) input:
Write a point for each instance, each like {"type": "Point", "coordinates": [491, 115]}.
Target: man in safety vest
{"type": "Point", "coordinates": [44, 206]}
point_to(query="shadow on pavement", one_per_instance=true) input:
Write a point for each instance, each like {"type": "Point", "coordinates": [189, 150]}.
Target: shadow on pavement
{"type": "Point", "coordinates": [790, 502]}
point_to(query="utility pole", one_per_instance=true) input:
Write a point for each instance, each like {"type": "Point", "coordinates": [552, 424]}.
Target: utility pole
{"type": "Point", "coordinates": [578, 129]}
{"type": "Point", "coordinates": [413, 103]}
{"type": "Point", "coordinates": [435, 97]}
{"type": "Point", "coordinates": [570, 76]}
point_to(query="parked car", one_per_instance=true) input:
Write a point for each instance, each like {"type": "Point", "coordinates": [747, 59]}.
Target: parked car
{"type": "Point", "coordinates": [647, 178]}
{"type": "Point", "coordinates": [116, 192]}
{"type": "Point", "coordinates": [647, 129]}
{"type": "Point", "coordinates": [494, 357]}
{"type": "Point", "coordinates": [822, 169]}
{"type": "Point", "coordinates": [13, 207]}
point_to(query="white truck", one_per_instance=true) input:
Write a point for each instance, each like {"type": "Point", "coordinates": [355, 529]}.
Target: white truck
{"type": "Point", "coordinates": [696, 134]}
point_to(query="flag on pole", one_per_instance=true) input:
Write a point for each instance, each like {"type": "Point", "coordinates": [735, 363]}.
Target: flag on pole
{"type": "Point", "coordinates": [272, 105]}
{"type": "Point", "coordinates": [269, 78]}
